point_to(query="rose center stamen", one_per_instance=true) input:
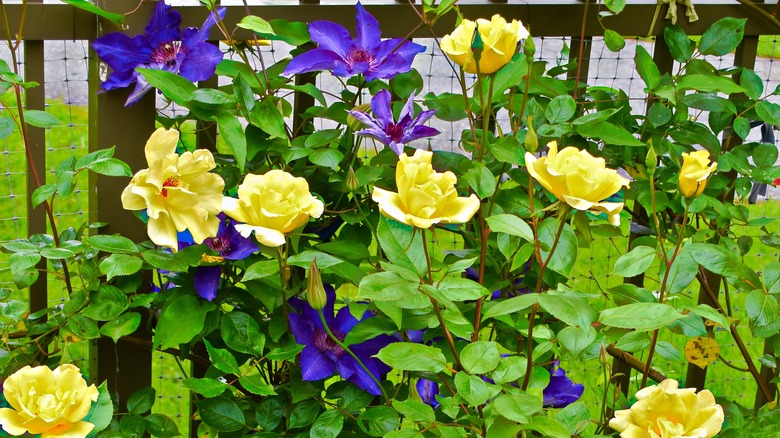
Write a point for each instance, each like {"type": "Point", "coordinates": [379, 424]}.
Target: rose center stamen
{"type": "Point", "coordinates": [170, 182]}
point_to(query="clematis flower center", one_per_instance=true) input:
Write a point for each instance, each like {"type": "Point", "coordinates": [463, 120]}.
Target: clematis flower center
{"type": "Point", "coordinates": [395, 132]}
{"type": "Point", "coordinates": [359, 55]}
{"type": "Point", "coordinates": [172, 181]}
{"type": "Point", "coordinates": [166, 53]}
{"type": "Point", "coordinates": [325, 344]}
{"type": "Point", "coordinates": [220, 245]}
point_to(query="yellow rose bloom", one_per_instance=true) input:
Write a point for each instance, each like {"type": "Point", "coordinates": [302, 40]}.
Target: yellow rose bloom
{"type": "Point", "coordinates": [578, 179]}
{"type": "Point", "coordinates": [177, 191]}
{"type": "Point", "coordinates": [498, 37]}
{"type": "Point", "coordinates": [46, 402]}
{"type": "Point", "coordinates": [272, 205]}
{"type": "Point", "coordinates": [425, 197]}
{"type": "Point", "coordinates": [664, 411]}
{"type": "Point", "coordinates": [696, 169]}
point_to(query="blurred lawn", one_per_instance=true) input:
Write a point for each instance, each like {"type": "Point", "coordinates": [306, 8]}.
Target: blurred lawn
{"type": "Point", "coordinates": [592, 273]}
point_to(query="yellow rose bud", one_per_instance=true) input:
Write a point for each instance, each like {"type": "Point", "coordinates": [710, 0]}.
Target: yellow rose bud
{"type": "Point", "coordinates": [578, 179]}
{"type": "Point", "coordinates": [499, 43]}
{"type": "Point", "coordinates": [46, 402]}
{"type": "Point", "coordinates": [272, 205]}
{"type": "Point", "coordinates": [177, 191]}
{"type": "Point", "coordinates": [425, 197]}
{"type": "Point", "coordinates": [666, 411]}
{"type": "Point", "coordinates": [695, 171]}
{"type": "Point", "coordinates": [315, 292]}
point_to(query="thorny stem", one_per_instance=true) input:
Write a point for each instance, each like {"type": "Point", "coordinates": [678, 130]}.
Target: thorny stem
{"type": "Point", "coordinates": [661, 297]}
{"type": "Point", "coordinates": [25, 136]}
{"type": "Point", "coordinates": [354, 356]}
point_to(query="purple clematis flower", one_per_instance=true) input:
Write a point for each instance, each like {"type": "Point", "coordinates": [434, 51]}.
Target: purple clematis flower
{"type": "Point", "coordinates": [230, 245]}
{"type": "Point", "coordinates": [383, 127]}
{"type": "Point", "coordinates": [561, 391]}
{"type": "Point", "coordinates": [366, 54]}
{"type": "Point", "coordinates": [428, 390]}
{"type": "Point", "coordinates": [163, 47]}
{"type": "Point", "coordinates": [321, 357]}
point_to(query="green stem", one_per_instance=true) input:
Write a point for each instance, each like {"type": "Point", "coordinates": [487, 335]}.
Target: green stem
{"type": "Point", "coordinates": [349, 351]}
{"type": "Point", "coordinates": [447, 334]}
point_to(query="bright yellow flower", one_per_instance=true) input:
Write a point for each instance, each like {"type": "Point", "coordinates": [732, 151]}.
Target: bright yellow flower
{"type": "Point", "coordinates": [578, 179]}
{"type": "Point", "coordinates": [498, 37]}
{"type": "Point", "coordinates": [664, 411]}
{"type": "Point", "coordinates": [425, 197]}
{"type": "Point", "coordinates": [177, 191]}
{"type": "Point", "coordinates": [46, 402]}
{"type": "Point", "coordinates": [695, 170]}
{"type": "Point", "coordinates": [272, 205]}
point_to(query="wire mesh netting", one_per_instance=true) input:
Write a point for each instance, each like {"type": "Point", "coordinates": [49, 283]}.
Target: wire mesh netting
{"type": "Point", "coordinates": [66, 85]}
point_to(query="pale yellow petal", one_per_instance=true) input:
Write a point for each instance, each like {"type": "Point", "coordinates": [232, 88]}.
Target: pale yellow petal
{"type": "Point", "coordinates": [233, 208]}
{"type": "Point", "coordinates": [162, 231]}
{"type": "Point", "coordinates": [390, 205]}
{"type": "Point", "coordinates": [78, 429]}
{"type": "Point", "coordinates": [460, 210]}
{"type": "Point", "coordinates": [160, 144]}
{"type": "Point", "coordinates": [11, 422]}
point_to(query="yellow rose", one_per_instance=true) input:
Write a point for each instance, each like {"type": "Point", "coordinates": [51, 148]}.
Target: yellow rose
{"type": "Point", "coordinates": [664, 411]}
{"type": "Point", "coordinates": [177, 191]}
{"type": "Point", "coordinates": [46, 402]}
{"type": "Point", "coordinates": [578, 179]}
{"type": "Point", "coordinates": [272, 205]}
{"type": "Point", "coordinates": [498, 37]}
{"type": "Point", "coordinates": [425, 197]}
{"type": "Point", "coordinates": [695, 170]}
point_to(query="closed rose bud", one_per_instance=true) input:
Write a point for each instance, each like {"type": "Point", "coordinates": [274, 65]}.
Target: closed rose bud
{"type": "Point", "coordinates": [315, 291]}
{"type": "Point", "coordinates": [696, 169]}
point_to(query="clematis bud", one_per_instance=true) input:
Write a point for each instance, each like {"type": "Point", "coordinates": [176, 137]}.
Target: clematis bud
{"type": "Point", "coordinates": [477, 46]}
{"type": "Point", "coordinates": [651, 160]}
{"type": "Point", "coordinates": [315, 292]}
{"type": "Point", "coordinates": [352, 182]}
{"type": "Point", "coordinates": [352, 121]}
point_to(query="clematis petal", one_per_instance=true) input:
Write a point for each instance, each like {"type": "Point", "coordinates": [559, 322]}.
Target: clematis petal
{"type": "Point", "coordinates": [331, 37]}
{"type": "Point", "coordinates": [192, 35]}
{"type": "Point", "coordinates": [380, 107]}
{"type": "Point", "coordinates": [367, 35]}
{"type": "Point", "coordinates": [315, 365]}
{"type": "Point", "coordinates": [207, 281]}
{"type": "Point", "coordinates": [313, 60]}
{"type": "Point", "coordinates": [122, 53]}
{"type": "Point", "coordinates": [164, 25]}
{"type": "Point", "coordinates": [141, 88]}
{"type": "Point", "coordinates": [344, 321]}
{"type": "Point", "coordinates": [391, 66]}
{"type": "Point", "coordinates": [201, 61]}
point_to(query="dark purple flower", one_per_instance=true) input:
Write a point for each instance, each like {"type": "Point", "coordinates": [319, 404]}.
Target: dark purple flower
{"type": "Point", "coordinates": [561, 391]}
{"type": "Point", "coordinates": [321, 356]}
{"type": "Point", "coordinates": [428, 390]}
{"type": "Point", "coordinates": [366, 54]}
{"type": "Point", "coordinates": [383, 127]}
{"type": "Point", "coordinates": [230, 245]}
{"type": "Point", "coordinates": [519, 289]}
{"type": "Point", "coordinates": [163, 47]}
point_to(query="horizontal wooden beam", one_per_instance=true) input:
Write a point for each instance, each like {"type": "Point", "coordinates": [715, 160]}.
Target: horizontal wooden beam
{"type": "Point", "coordinates": [545, 17]}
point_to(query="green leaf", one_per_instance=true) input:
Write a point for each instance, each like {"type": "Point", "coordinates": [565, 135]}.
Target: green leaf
{"type": "Point", "coordinates": [461, 289]}
{"type": "Point", "coordinates": [181, 319]}
{"type": "Point", "coordinates": [326, 157]}
{"type": "Point", "coordinates": [640, 316]}
{"type": "Point", "coordinates": [222, 414]}
{"type": "Point", "coordinates": [256, 24]}
{"type": "Point", "coordinates": [13, 309]}
{"type": "Point", "coordinates": [266, 116]}
{"type": "Point", "coordinates": [327, 425]}
{"type": "Point", "coordinates": [401, 246]}
{"type": "Point", "coordinates": [511, 305]}
{"type": "Point", "coordinates": [549, 427]}
{"type": "Point", "coordinates": [209, 388]}
{"type": "Point", "coordinates": [568, 307]}
{"type": "Point", "coordinates": [722, 37]}
{"type": "Point", "coordinates": [83, 327]}
{"type": "Point", "coordinates": [762, 308]}
{"type": "Point", "coordinates": [659, 114]}
{"type": "Point", "coordinates": [41, 119]}
{"type": "Point", "coordinates": [765, 155]}
{"type": "Point", "coordinates": [90, 7]}
{"type": "Point", "coordinates": [613, 40]}
{"type": "Point", "coordinates": [390, 286]}
{"type": "Point", "coordinates": [108, 302]}
{"type": "Point", "coordinates": [6, 127]}
{"type": "Point", "coordinates": [635, 262]}
{"type": "Point", "coordinates": [646, 67]}
{"type": "Point", "coordinates": [616, 6]}
{"type": "Point", "coordinates": [473, 389]}
{"type": "Point", "coordinates": [160, 258]}
{"type": "Point", "coordinates": [102, 411]}
{"type": "Point", "coordinates": [768, 112]}
{"type": "Point", "coordinates": [256, 384]}
{"type": "Point", "coordinates": [304, 413]}
{"type": "Point", "coordinates": [378, 420]}
{"type": "Point", "coordinates": [161, 425]}
{"type": "Point", "coordinates": [110, 167]}
{"type": "Point", "coordinates": [124, 325]}
{"type": "Point", "coordinates": [415, 411]}
{"type": "Point", "coordinates": [510, 224]}
{"type": "Point", "coordinates": [112, 243]}
{"type": "Point", "coordinates": [518, 407]}
{"type": "Point", "coordinates": [412, 357]}
{"type": "Point", "coordinates": [752, 83]}
{"type": "Point", "coordinates": [507, 149]}
{"type": "Point", "coordinates": [293, 33]}
{"type": "Point", "coordinates": [141, 401]}
{"type": "Point", "coordinates": [57, 253]}
{"type": "Point", "coordinates": [370, 328]}
{"type": "Point", "coordinates": [708, 312]}
{"type": "Point", "coordinates": [560, 109]}
{"type": "Point", "coordinates": [232, 131]}
{"type": "Point", "coordinates": [576, 339]}
{"type": "Point", "coordinates": [565, 254]}
{"type": "Point", "coordinates": [723, 262]}
{"type": "Point", "coordinates": [23, 260]}
{"type": "Point", "coordinates": [120, 264]}
{"type": "Point", "coordinates": [481, 180]}
{"type": "Point", "coordinates": [609, 133]}
{"type": "Point", "coordinates": [222, 359]}
{"type": "Point", "coordinates": [680, 46]}
{"type": "Point", "coordinates": [322, 138]}
{"type": "Point", "coordinates": [43, 193]}
{"type": "Point", "coordinates": [708, 102]}
{"type": "Point", "coordinates": [480, 357]}
{"type": "Point", "coordinates": [708, 83]}
{"type": "Point", "coordinates": [269, 414]}
{"type": "Point", "coordinates": [173, 86]}
{"type": "Point", "coordinates": [242, 333]}
{"type": "Point", "coordinates": [260, 270]}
